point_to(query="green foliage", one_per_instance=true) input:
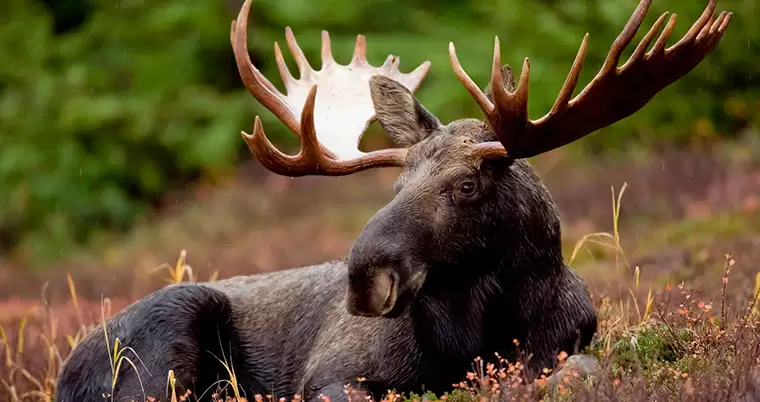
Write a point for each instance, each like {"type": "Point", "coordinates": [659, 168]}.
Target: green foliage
{"type": "Point", "coordinates": [107, 105]}
{"type": "Point", "coordinates": [98, 122]}
{"type": "Point", "coordinates": [657, 349]}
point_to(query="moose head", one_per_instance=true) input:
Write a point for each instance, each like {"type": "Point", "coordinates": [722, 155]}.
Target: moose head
{"type": "Point", "coordinates": [466, 197]}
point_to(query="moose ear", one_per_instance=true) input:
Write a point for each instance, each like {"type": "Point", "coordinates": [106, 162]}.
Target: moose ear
{"type": "Point", "coordinates": [507, 79]}
{"type": "Point", "coordinates": [400, 114]}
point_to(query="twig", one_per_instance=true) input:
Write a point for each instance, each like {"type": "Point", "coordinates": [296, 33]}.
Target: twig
{"type": "Point", "coordinates": [729, 262]}
{"type": "Point", "coordinates": [672, 332]}
{"type": "Point", "coordinates": [752, 304]}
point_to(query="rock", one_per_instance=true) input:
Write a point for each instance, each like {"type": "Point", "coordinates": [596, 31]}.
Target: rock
{"type": "Point", "coordinates": [578, 367]}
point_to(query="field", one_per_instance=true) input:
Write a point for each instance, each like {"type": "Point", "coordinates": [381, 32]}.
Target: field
{"type": "Point", "coordinates": [670, 248]}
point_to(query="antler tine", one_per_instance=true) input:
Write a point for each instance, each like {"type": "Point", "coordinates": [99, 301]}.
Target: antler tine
{"type": "Point", "coordinates": [499, 92]}
{"type": "Point", "coordinates": [388, 61]}
{"type": "Point", "coordinates": [282, 67]}
{"type": "Point", "coordinates": [468, 83]}
{"type": "Point", "coordinates": [613, 94]}
{"type": "Point", "coordinates": [696, 27]}
{"type": "Point", "coordinates": [311, 152]}
{"type": "Point", "coordinates": [571, 82]}
{"type": "Point", "coordinates": [327, 56]}
{"type": "Point", "coordinates": [268, 155]}
{"type": "Point", "coordinates": [304, 68]}
{"type": "Point", "coordinates": [712, 27]}
{"type": "Point", "coordinates": [625, 37]}
{"type": "Point", "coordinates": [360, 52]}
{"type": "Point", "coordinates": [659, 46]}
{"type": "Point", "coordinates": [416, 76]}
{"type": "Point", "coordinates": [258, 85]}
{"type": "Point", "coordinates": [511, 108]}
{"type": "Point", "coordinates": [725, 23]}
{"type": "Point", "coordinates": [718, 22]}
{"type": "Point", "coordinates": [308, 159]}
{"type": "Point", "coordinates": [257, 76]}
{"type": "Point", "coordinates": [642, 46]}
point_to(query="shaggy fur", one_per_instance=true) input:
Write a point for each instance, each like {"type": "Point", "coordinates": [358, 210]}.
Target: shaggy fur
{"type": "Point", "coordinates": [464, 259]}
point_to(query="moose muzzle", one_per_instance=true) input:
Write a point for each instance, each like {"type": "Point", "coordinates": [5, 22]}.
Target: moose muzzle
{"type": "Point", "coordinates": [372, 294]}
{"type": "Point", "coordinates": [385, 265]}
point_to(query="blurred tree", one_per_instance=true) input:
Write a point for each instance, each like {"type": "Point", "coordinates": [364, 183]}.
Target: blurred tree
{"type": "Point", "coordinates": [106, 105]}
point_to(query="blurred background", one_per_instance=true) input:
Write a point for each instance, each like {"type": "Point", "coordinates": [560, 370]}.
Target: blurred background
{"type": "Point", "coordinates": [120, 122]}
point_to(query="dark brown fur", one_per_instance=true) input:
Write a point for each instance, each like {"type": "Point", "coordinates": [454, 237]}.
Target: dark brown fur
{"type": "Point", "coordinates": [464, 259]}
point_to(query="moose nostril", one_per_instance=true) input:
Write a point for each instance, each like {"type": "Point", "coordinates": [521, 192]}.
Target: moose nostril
{"type": "Point", "coordinates": [357, 278]}
{"type": "Point", "coordinates": [372, 292]}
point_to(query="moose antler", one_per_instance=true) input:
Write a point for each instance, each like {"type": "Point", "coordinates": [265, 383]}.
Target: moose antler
{"type": "Point", "coordinates": [331, 124]}
{"type": "Point", "coordinates": [613, 94]}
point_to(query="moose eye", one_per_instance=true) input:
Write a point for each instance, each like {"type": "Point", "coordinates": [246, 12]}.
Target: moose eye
{"type": "Point", "coordinates": [467, 188]}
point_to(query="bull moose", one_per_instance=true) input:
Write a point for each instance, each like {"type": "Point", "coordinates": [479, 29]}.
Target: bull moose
{"type": "Point", "coordinates": [462, 261]}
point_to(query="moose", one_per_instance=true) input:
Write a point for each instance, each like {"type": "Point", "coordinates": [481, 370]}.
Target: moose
{"type": "Point", "coordinates": [465, 259]}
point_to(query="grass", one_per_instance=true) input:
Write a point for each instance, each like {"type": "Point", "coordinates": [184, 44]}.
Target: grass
{"type": "Point", "coordinates": [672, 344]}
{"type": "Point", "coordinates": [117, 357]}
{"type": "Point", "coordinates": [658, 338]}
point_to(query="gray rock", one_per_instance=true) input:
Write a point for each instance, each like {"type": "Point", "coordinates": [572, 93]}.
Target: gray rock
{"type": "Point", "coordinates": [579, 367]}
